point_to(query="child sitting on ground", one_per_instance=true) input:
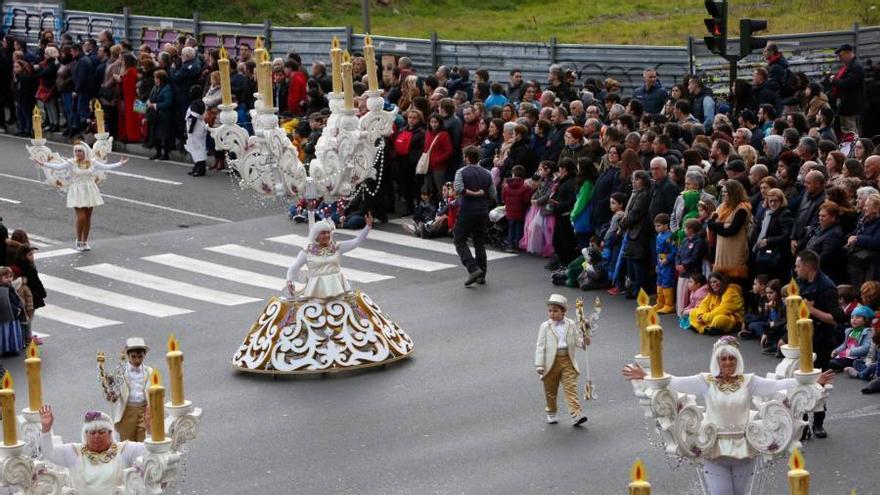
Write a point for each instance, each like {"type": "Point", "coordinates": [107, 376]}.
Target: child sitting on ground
{"type": "Point", "coordinates": [857, 340]}
{"type": "Point", "coordinates": [424, 212]}
{"type": "Point", "coordinates": [444, 220]}
{"type": "Point", "coordinates": [698, 289]}
{"type": "Point", "coordinates": [866, 369]}
{"type": "Point", "coordinates": [665, 249]}
{"type": "Point", "coordinates": [689, 260]}
{"type": "Point", "coordinates": [773, 329]}
{"type": "Point", "coordinates": [756, 309]}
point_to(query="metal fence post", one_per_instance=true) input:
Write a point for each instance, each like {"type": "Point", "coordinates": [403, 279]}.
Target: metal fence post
{"type": "Point", "coordinates": [435, 52]}
{"type": "Point", "coordinates": [553, 49]}
{"type": "Point", "coordinates": [267, 35]}
{"type": "Point", "coordinates": [349, 38]}
{"type": "Point", "coordinates": [197, 24]}
{"type": "Point", "coordinates": [856, 38]}
{"type": "Point", "coordinates": [690, 55]}
{"type": "Point", "coordinates": [59, 21]}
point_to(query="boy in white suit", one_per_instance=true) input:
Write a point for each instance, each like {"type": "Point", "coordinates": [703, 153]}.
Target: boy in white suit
{"type": "Point", "coordinates": [555, 359]}
{"type": "Point", "coordinates": [130, 404]}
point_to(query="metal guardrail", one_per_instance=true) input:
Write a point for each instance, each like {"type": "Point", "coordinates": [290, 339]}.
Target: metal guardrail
{"type": "Point", "coordinates": [810, 53]}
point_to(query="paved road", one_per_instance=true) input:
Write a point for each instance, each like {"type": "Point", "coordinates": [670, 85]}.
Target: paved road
{"type": "Point", "coordinates": [463, 415]}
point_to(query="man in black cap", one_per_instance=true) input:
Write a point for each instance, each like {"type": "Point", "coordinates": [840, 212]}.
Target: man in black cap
{"type": "Point", "coordinates": [848, 88]}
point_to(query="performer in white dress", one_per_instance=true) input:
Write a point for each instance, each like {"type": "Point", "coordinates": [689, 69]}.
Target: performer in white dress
{"type": "Point", "coordinates": [322, 257]}
{"type": "Point", "coordinates": [96, 465]}
{"type": "Point", "coordinates": [326, 327]}
{"type": "Point", "coordinates": [80, 177]}
{"type": "Point", "coordinates": [729, 466]}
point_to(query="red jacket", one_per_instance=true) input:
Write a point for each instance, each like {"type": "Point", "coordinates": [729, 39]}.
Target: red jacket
{"type": "Point", "coordinates": [470, 134]}
{"type": "Point", "coordinates": [517, 197]}
{"type": "Point", "coordinates": [441, 153]}
{"type": "Point", "coordinates": [297, 93]}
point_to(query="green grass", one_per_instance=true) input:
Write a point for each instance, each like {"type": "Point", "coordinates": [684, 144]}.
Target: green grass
{"type": "Point", "coordinates": [650, 22]}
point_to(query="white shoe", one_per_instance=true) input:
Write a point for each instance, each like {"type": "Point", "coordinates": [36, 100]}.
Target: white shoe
{"type": "Point", "coordinates": [578, 420]}
{"type": "Point", "coordinates": [552, 419]}
{"type": "Point", "coordinates": [849, 370]}
{"type": "Point", "coordinates": [79, 246]}
{"type": "Point", "coordinates": [86, 247]}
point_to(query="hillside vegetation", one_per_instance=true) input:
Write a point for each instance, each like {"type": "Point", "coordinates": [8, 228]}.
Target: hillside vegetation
{"type": "Point", "coordinates": [653, 22]}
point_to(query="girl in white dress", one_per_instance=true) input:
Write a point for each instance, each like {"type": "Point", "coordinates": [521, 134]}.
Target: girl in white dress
{"type": "Point", "coordinates": [322, 257]}
{"type": "Point", "coordinates": [729, 466]}
{"type": "Point", "coordinates": [80, 176]}
{"type": "Point", "coordinates": [97, 464]}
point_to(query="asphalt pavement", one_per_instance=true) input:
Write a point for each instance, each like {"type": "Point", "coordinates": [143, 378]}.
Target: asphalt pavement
{"type": "Point", "coordinates": [463, 415]}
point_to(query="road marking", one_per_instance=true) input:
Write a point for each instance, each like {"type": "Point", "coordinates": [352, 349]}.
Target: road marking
{"type": "Point", "coordinates": [144, 177]}
{"type": "Point", "coordinates": [373, 255]}
{"type": "Point", "coordinates": [167, 208]}
{"type": "Point", "coordinates": [75, 318]}
{"type": "Point", "coordinates": [120, 153]}
{"type": "Point", "coordinates": [219, 271]}
{"type": "Point", "coordinates": [57, 252]}
{"type": "Point", "coordinates": [401, 221]}
{"type": "Point", "coordinates": [110, 298]}
{"type": "Point", "coordinates": [133, 201]}
{"type": "Point", "coordinates": [426, 244]}
{"type": "Point", "coordinates": [7, 200]}
{"type": "Point", "coordinates": [38, 244]}
{"type": "Point", "coordinates": [163, 284]}
{"type": "Point", "coordinates": [42, 239]}
{"type": "Point", "coordinates": [862, 412]}
{"type": "Point", "coordinates": [285, 261]}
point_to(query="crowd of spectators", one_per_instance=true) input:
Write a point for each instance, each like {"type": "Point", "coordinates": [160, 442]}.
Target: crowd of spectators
{"type": "Point", "coordinates": [677, 190]}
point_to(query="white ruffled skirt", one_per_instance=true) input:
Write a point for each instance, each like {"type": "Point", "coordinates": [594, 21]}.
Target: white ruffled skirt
{"type": "Point", "coordinates": [83, 194]}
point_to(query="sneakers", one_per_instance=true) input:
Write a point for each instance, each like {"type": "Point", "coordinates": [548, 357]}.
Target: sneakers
{"type": "Point", "coordinates": [578, 420]}
{"type": "Point", "coordinates": [552, 419]}
{"type": "Point", "coordinates": [849, 370]}
{"type": "Point", "coordinates": [86, 247]}
{"type": "Point", "coordinates": [80, 246]}
{"type": "Point", "coordinates": [409, 228]}
{"type": "Point", "coordinates": [614, 291]}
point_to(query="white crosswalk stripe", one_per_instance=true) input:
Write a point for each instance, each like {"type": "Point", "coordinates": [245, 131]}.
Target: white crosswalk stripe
{"type": "Point", "coordinates": [226, 265]}
{"type": "Point", "coordinates": [163, 284]}
{"type": "Point", "coordinates": [75, 318]}
{"type": "Point", "coordinates": [276, 259]}
{"type": "Point", "coordinates": [218, 270]}
{"type": "Point", "coordinates": [109, 298]}
{"type": "Point", "coordinates": [425, 244]}
{"type": "Point", "coordinates": [372, 255]}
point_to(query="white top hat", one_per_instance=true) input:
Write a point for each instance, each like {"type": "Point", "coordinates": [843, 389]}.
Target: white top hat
{"type": "Point", "coordinates": [133, 343]}
{"type": "Point", "coordinates": [558, 299]}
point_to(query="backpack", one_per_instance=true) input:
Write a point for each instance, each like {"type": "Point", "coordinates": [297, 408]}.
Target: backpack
{"type": "Point", "coordinates": [402, 142]}
{"type": "Point", "coordinates": [789, 84]}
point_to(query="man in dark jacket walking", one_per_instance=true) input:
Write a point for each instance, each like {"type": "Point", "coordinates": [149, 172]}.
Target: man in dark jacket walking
{"type": "Point", "coordinates": [848, 87]}
{"type": "Point", "coordinates": [777, 69]}
{"type": "Point", "coordinates": [476, 193]}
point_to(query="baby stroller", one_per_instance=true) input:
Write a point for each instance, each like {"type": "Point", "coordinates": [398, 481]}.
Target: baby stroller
{"type": "Point", "coordinates": [496, 234]}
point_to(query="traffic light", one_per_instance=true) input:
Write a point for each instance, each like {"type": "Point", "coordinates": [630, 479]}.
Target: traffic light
{"type": "Point", "coordinates": [747, 42]}
{"type": "Point", "coordinates": [717, 26]}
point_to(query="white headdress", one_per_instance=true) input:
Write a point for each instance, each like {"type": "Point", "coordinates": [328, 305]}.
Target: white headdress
{"type": "Point", "coordinates": [726, 346]}
{"type": "Point", "coordinates": [322, 226]}
{"type": "Point", "coordinates": [96, 421]}
{"type": "Point", "coordinates": [87, 151]}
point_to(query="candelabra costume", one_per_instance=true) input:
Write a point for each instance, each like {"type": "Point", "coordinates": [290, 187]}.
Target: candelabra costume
{"type": "Point", "coordinates": [730, 437]}
{"type": "Point", "coordinates": [92, 473]}
{"type": "Point", "coordinates": [327, 326]}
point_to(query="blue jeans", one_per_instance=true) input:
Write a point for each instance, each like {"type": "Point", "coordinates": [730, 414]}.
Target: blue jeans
{"type": "Point", "coordinates": [866, 371]}
{"type": "Point", "coordinates": [515, 232]}
{"type": "Point", "coordinates": [82, 111]}
{"type": "Point", "coordinates": [24, 115]}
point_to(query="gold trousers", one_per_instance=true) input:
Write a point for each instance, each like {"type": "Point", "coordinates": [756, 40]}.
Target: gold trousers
{"type": "Point", "coordinates": [564, 371]}
{"type": "Point", "coordinates": [131, 426]}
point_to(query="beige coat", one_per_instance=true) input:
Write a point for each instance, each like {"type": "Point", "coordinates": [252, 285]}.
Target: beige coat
{"type": "Point", "coordinates": [125, 392]}
{"type": "Point", "coordinates": [545, 350]}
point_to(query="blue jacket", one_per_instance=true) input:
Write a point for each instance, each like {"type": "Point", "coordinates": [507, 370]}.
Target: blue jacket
{"type": "Point", "coordinates": [84, 77]}
{"type": "Point", "coordinates": [691, 254]}
{"type": "Point", "coordinates": [665, 249]}
{"type": "Point", "coordinates": [653, 99]}
{"type": "Point", "coordinates": [861, 348]}
{"type": "Point", "coordinates": [868, 235]}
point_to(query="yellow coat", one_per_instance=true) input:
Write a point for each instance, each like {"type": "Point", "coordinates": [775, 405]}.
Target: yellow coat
{"type": "Point", "coordinates": [729, 304]}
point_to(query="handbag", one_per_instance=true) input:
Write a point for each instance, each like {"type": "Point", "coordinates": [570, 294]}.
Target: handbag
{"type": "Point", "coordinates": [140, 106]}
{"type": "Point", "coordinates": [767, 257]}
{"type": "Point", "coordinates": [425, 159]}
